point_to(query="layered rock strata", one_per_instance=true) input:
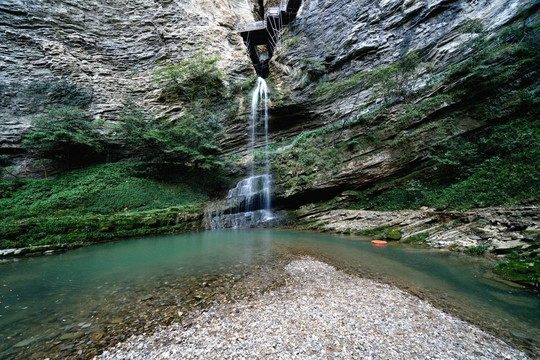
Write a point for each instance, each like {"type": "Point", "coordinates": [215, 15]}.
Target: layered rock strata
{"type": "Point", "coordinates": [498, 229]}
{"type": "Point", "coordinates": [109, 49]}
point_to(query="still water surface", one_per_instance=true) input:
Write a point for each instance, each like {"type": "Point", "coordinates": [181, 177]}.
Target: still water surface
{"type": "Point", "coordinates": [57, 305]}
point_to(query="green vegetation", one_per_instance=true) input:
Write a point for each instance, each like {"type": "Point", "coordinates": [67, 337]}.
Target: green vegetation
{"type": "Point", "coordinates": [418, 111]}
{"type": "Point", "coordinates": [476, 250]}
{"type": "Point", "coordinates": [289, 41]}
{"type": "Point", "coordinates": [382, 232]}
{"type": "Point", "coordinates": [314, 67]}
{"type": "Point", "coordinates": [187, 142]}
{"type": "Point", "coordinates": [105, 188]}
{"type": "Point", "coordinates": [197, 79]}
{"type": "Point", "coordinates": [476, 136]}
{"type": "Point", "coordinates": [170, 160]}
{"type": "Point", "coordinates": [521, 267]}
{"type": "Point", "coordinates": [79, 230]}
{"type": "Point", "coordinates": [419, 238]}
{"type": "Point", "coordinates": [453, 247]}
{"type": "Point", "coordinates": [68, 134]}
{"type": "Point", "coordinates": [393, 234]}
{"type": "Point", "coordinates": [312, 70]}
{"type": "Point", "coordinates": [392, 82]}
{"type": "Point", "coordinates": [93, 204]}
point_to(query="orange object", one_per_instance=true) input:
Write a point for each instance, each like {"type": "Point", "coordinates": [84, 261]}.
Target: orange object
{"type": "Point", "coordinates": [379, 242]}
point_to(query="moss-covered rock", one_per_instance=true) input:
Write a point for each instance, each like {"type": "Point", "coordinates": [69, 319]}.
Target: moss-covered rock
{"type": "Point", "coordinates": [524, 270]}
{"type": "Point", "coordinates": [393, 234]}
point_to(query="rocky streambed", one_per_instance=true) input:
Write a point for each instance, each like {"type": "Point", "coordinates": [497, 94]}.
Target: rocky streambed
{"type": "Point", "coordinates": [77, 304]}
{"type": "Point", "coordinates": [121, 310]}
{"type": "Point", "coordinates": [510, 234]}
{"type": "Point", "coordinates": [321, 313]}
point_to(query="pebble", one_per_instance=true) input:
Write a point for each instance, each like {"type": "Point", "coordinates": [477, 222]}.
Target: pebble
{"type": "Point", "coordinates": [66, 348]}
{"type": "Point", "coordinates": [320, 314]}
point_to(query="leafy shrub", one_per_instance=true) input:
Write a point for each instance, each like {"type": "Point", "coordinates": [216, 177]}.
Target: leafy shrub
{"type": "Point", "coordinates": [194, 79]}
{"type": "Point", "coordinates": [104, 189]}
{"type": "Point", "coordinates": [190, 141]}
{"type": "Point", "coordinates": [78, 229]}
{"type": "Point", "coordinates": [64, 133]}
{"type": "Point", "coordinates": [476, 250]}
{"type": "Point", "coordinates": [314, 68]}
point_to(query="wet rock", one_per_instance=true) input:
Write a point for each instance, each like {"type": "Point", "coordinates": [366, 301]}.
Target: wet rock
{"type": "Point", "coordinates": [68, 328]}
{"type": "Point", "coordinates": [26, 342]}
{"type": "Point", "coordinates": [66, 348]}
{"type": "Point", "coordinates": [68, 336]}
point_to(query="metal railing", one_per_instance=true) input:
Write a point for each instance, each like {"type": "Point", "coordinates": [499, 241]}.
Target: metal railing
{"type": "Point", "coordinates": [273, 11]}
{"type": "Point", "coordinates": [258, 25]}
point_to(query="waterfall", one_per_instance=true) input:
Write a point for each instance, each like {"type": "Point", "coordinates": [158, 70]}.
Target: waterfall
{"type": "Point", "coordinates": [248, 204]}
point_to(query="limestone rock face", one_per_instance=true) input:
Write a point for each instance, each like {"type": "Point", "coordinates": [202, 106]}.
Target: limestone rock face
{"type": "Point", "coordinates": [498, 229]}
{"type": "Point", "coordinates": [109, 48]}
{"type": "Point", "coordinates": [346, 37]}
{"type": "Point", "coordinates": [350, 36]}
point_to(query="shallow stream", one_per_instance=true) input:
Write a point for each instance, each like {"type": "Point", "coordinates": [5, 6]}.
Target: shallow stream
{"type": "Point", "coordinates": [73, 304]}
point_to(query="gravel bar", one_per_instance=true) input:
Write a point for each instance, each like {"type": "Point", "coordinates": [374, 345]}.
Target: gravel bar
{"type": "Point", "coordinates": [321, 313]}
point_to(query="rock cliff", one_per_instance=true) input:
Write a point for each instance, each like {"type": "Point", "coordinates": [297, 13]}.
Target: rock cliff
{"type": "Point", "coordinates": [109, 49]}
{"type": "Point", "coordinates": [321, 78]}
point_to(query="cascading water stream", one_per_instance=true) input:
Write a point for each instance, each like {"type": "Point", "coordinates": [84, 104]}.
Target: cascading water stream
{"type": "Point", "coordinates": [248, 204]}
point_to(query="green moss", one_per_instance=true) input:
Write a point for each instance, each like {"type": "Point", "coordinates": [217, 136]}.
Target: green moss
{"type": "Point", "coordinates": [84, 229]}
{"type": "Point", "coordinates": [522, 269]}
{"type": "Point", "coordinates": [195, 79]}
{"type": "Point", "coordinates": [392, 82]}
{"type": "Point", "coordinates": [417, 111]}
{"type": "Point", "coordinates": [476, 250]}
{"type": "Point", "coordinates": [393, 234]}
{"type": "Point", "coordinates": [382, 232]}
{"type": "Point", "coordinates": [99, 202]}
{"type": "Point", "coordinates": [315, 67]}
{"type": "Point", "coordinates": [453, 247]}
{"type": "Point", "coordinates": [416, 238]}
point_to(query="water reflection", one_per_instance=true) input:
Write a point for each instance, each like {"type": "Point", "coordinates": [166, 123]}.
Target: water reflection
{"type": "Point", "coordinates": [82, 299]}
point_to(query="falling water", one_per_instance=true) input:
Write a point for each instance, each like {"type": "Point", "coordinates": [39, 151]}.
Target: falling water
{"type": "Point", "coordinates": [248, 204]}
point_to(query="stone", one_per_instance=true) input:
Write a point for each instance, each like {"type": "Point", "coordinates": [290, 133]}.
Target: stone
{"type": "Point", "coordinates": [68, 328]}
{"type": "Point", "coordinates": [371, 35]}
{"type": "Point", "coordinates": [393, 235]}
{"type": "Point", "coordinates": [68, 336]}
{"type": "Point", "coordinates": [109, 49]}
{"type": "Point", "coordinates": [66, 348]}
{"type": "Point", "coordinates": [26, 342]}
{"type": "Point", "coordinates": [442, 232]}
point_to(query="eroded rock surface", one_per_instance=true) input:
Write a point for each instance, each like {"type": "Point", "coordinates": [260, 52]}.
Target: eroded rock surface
{"type": "Point", "coordinates": [108, 48]}
{"type": "Point", "coordinates": [499, 229]}
{"type": "Point", "coordinates": [331, 42]}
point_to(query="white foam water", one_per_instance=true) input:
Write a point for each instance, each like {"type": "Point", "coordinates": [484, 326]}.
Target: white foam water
{"type": "Point", "coordinates": [249, 203]}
